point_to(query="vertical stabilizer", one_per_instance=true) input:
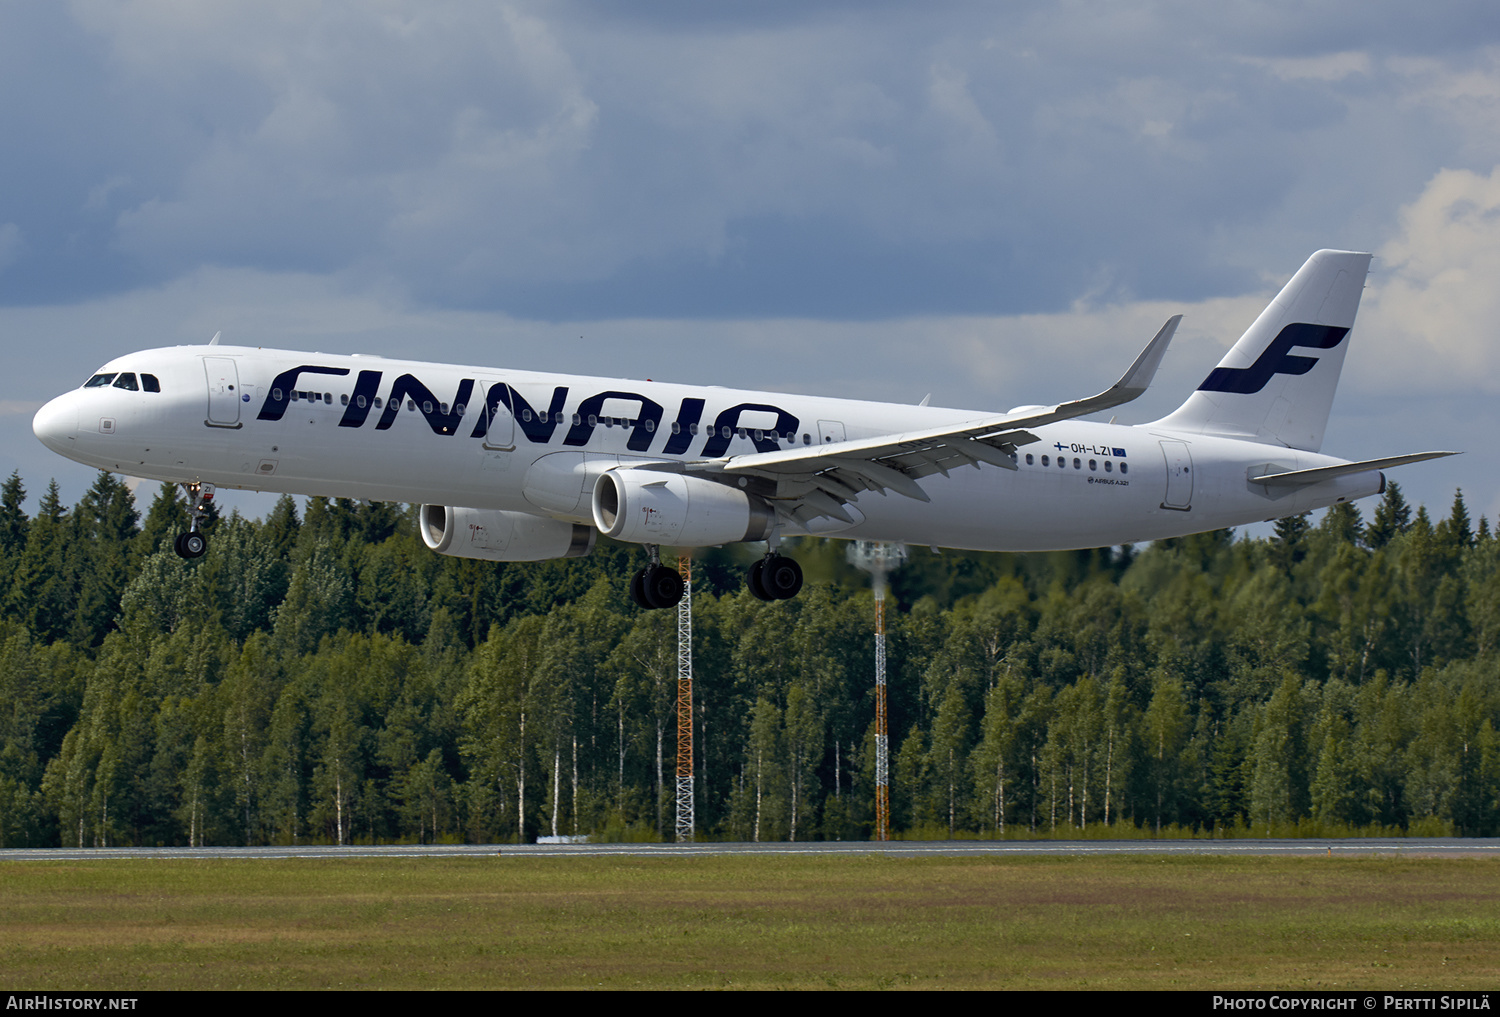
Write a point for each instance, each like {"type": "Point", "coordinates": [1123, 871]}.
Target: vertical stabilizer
{"type": "Point", "coordinates": [1276, 385]}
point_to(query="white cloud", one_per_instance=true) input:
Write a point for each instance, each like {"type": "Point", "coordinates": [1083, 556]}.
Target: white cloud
{"type": "Point", "coordinates": [1323, 67]}
{"type": "Point", "coordinates": [1433, 312]}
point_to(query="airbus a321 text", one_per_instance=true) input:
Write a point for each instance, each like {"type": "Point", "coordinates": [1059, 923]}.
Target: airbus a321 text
{"type": "Point", "coordinates": [521, 466]}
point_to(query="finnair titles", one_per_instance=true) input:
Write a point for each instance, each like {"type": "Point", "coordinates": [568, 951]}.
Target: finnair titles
{"type": "Point", "coordinates": [524, 466]}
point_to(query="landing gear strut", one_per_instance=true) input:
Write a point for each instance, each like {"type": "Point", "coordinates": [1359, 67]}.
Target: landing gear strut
{"type": "Point", "coordinates": [193, 544]}
{"type": "Point", "coordinates": [774, 577]}
{"type": "Point", "coordinates": [656, 586]}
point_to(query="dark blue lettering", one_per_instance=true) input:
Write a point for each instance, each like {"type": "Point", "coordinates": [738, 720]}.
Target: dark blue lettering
{"type": "Point", "coordinates": [281, 389]}
{"type": "Point", "coordinates": [591, 408]}
{"type": "Point", "coordinates": [1275, 359]}
{"type": "Point", "coordinates": [427, 404]}
{"type": "Point", "coordinates": [363, 398]}
{"type": "Point", "coordinates": [538, 427]}
{"type": "Point", "coordinates": [688, 414]}
{"type": "Point", "coordinates": [729, 421]}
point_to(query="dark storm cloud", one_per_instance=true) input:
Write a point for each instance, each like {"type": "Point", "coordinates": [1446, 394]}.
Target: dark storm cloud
{"type": "Point", "coordinates": [842, 161]}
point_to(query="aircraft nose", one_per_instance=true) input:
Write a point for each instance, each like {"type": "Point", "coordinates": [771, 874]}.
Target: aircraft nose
{"type": "Point", "coordinates": [56, 424]}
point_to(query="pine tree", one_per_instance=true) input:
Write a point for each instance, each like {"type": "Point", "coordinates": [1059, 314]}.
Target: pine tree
{"type": "Point", "coordinates": [1454, 533]}
{"type": "Point", "coordinates": [1392, 517]}
{"type": "Point", "coordinates": [12, 517]}
{"type": "Point", "coordinates": [1343, 524]}
{"type": "Point", "coordinates": [1289, 547]}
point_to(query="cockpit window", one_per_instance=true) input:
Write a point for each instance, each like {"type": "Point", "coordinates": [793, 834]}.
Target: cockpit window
{"type": "Point", "coordinates": [127, 382]}
{"type": "Point", "coordinates": [99, 381]}
{"type": "Point", "coordinates": [149, 383]}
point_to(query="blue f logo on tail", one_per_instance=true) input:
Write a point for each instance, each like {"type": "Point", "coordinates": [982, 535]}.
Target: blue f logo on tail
{"type": "Point", "coordinates": [1276, 359]}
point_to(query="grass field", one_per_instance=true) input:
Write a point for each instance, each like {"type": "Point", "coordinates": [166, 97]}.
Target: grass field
{"type": "Point", "coordinates": [758, 922]}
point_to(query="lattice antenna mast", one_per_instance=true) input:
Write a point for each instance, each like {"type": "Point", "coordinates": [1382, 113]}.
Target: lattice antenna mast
{"type": "Point", "coordinates": [685, 819]}
{"type": "Point", "coordinates": [878, 558]}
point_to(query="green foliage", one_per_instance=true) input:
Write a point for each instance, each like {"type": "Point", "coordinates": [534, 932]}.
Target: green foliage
{"type": "Point", "coordinates": [321, 677]}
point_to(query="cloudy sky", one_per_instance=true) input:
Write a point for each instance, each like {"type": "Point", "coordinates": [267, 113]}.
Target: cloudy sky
{"type": "Point", "coordinates": [994, 203]}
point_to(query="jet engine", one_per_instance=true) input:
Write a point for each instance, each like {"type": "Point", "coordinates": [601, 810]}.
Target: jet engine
{"type": "Point", "coordinates": [650, 507]}
{"type": "Point", "coordinates": [498, 535]}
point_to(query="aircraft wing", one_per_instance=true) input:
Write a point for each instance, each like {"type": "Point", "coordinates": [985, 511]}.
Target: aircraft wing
{"type": "Point", "coordinates": [817, 480]}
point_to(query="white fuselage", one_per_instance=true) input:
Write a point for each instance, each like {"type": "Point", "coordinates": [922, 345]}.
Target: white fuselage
{"type": "Point", "coordinates": [335, 431]}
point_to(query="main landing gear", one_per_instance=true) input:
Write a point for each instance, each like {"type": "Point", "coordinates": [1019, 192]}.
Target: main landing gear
{"type": "Point", "coordinates": [656, 586]}
{"type": "Point", "coordinates": [774, 577]}
{"type": "Point", "coordinates": [193, 544]}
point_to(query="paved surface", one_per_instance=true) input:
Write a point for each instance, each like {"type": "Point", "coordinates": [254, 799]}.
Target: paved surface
{"type": "Point", "coordinates": [1414, 846]}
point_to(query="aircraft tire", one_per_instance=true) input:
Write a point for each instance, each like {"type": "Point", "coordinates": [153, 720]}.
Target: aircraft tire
{"type": "Point", "coordinates": [638, 589]}
{"type": "Point", "coordinates": [781, 577]}
{"type": "Point", "coordinates": [190, 545]}
{"type": "Point", "coordinates": [661, 586]}
{"type": "Point", "coordinates": [753, 581]}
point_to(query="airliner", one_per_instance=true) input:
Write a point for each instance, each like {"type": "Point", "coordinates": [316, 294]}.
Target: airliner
{"type": "Point", "coordinates": [524, 466]}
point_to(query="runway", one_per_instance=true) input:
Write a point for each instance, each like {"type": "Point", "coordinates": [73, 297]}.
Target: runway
{"type": "Point", "coordinates": [1397, 846]}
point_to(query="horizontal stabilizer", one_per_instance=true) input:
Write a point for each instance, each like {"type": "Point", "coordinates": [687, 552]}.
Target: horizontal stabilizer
{"type": "Point", "coordinates": [1297, 478]}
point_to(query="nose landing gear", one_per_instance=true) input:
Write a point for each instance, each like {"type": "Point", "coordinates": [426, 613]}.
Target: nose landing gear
{"type": "Point", "coordinates": [193, 544]}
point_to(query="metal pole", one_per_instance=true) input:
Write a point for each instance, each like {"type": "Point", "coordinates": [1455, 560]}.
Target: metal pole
{"type": "Point", "coordinates": [882, 743]}
{"type": "Point", "coordinates": [685, 819]}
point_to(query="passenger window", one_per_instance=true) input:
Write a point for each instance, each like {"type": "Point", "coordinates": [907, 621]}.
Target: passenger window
{"type": "Point", "coordinates": [1124, 467]}
{"type": "Point", "coordinates": [1093, 465]}
{"type": "Point", "coordinates": [359, 401]}
{"type": "Point", "coordinates": [99, 381]}
{"type": "Point", "coordinates": [1046, 461]}
{"type": "Point", "coordinates": [344, 399]}
{"type": "Point", "coordinates": [693, 428]}
{"type": "Point", "coordinates": [1109, 466]}
{"type": "Point", "coordinates": [1077, 464]}
{"type": "Point", "coordinates": [149, 383]}
{"type": "Point", "coordinates": [127, 382]}
{"type": "Point", "coordinates": [1029, 460]}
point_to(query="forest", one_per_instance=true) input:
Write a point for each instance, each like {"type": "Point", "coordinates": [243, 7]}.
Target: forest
{"type": "Point", "coordinates": [321, 677]}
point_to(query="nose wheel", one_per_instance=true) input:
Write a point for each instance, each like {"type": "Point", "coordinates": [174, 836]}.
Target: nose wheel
{"type": "Point", "coordinates": [193, 543]}
{"type": "Point", "coordinates": [774, 577]}
{"type": "Point", "coordinates": [190, 545]}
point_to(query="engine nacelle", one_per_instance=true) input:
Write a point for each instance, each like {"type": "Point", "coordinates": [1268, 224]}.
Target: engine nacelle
{"type": "Point", "coordinates": [648, 507]}
{"type": "Point", "coordinates": [498, 535]}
